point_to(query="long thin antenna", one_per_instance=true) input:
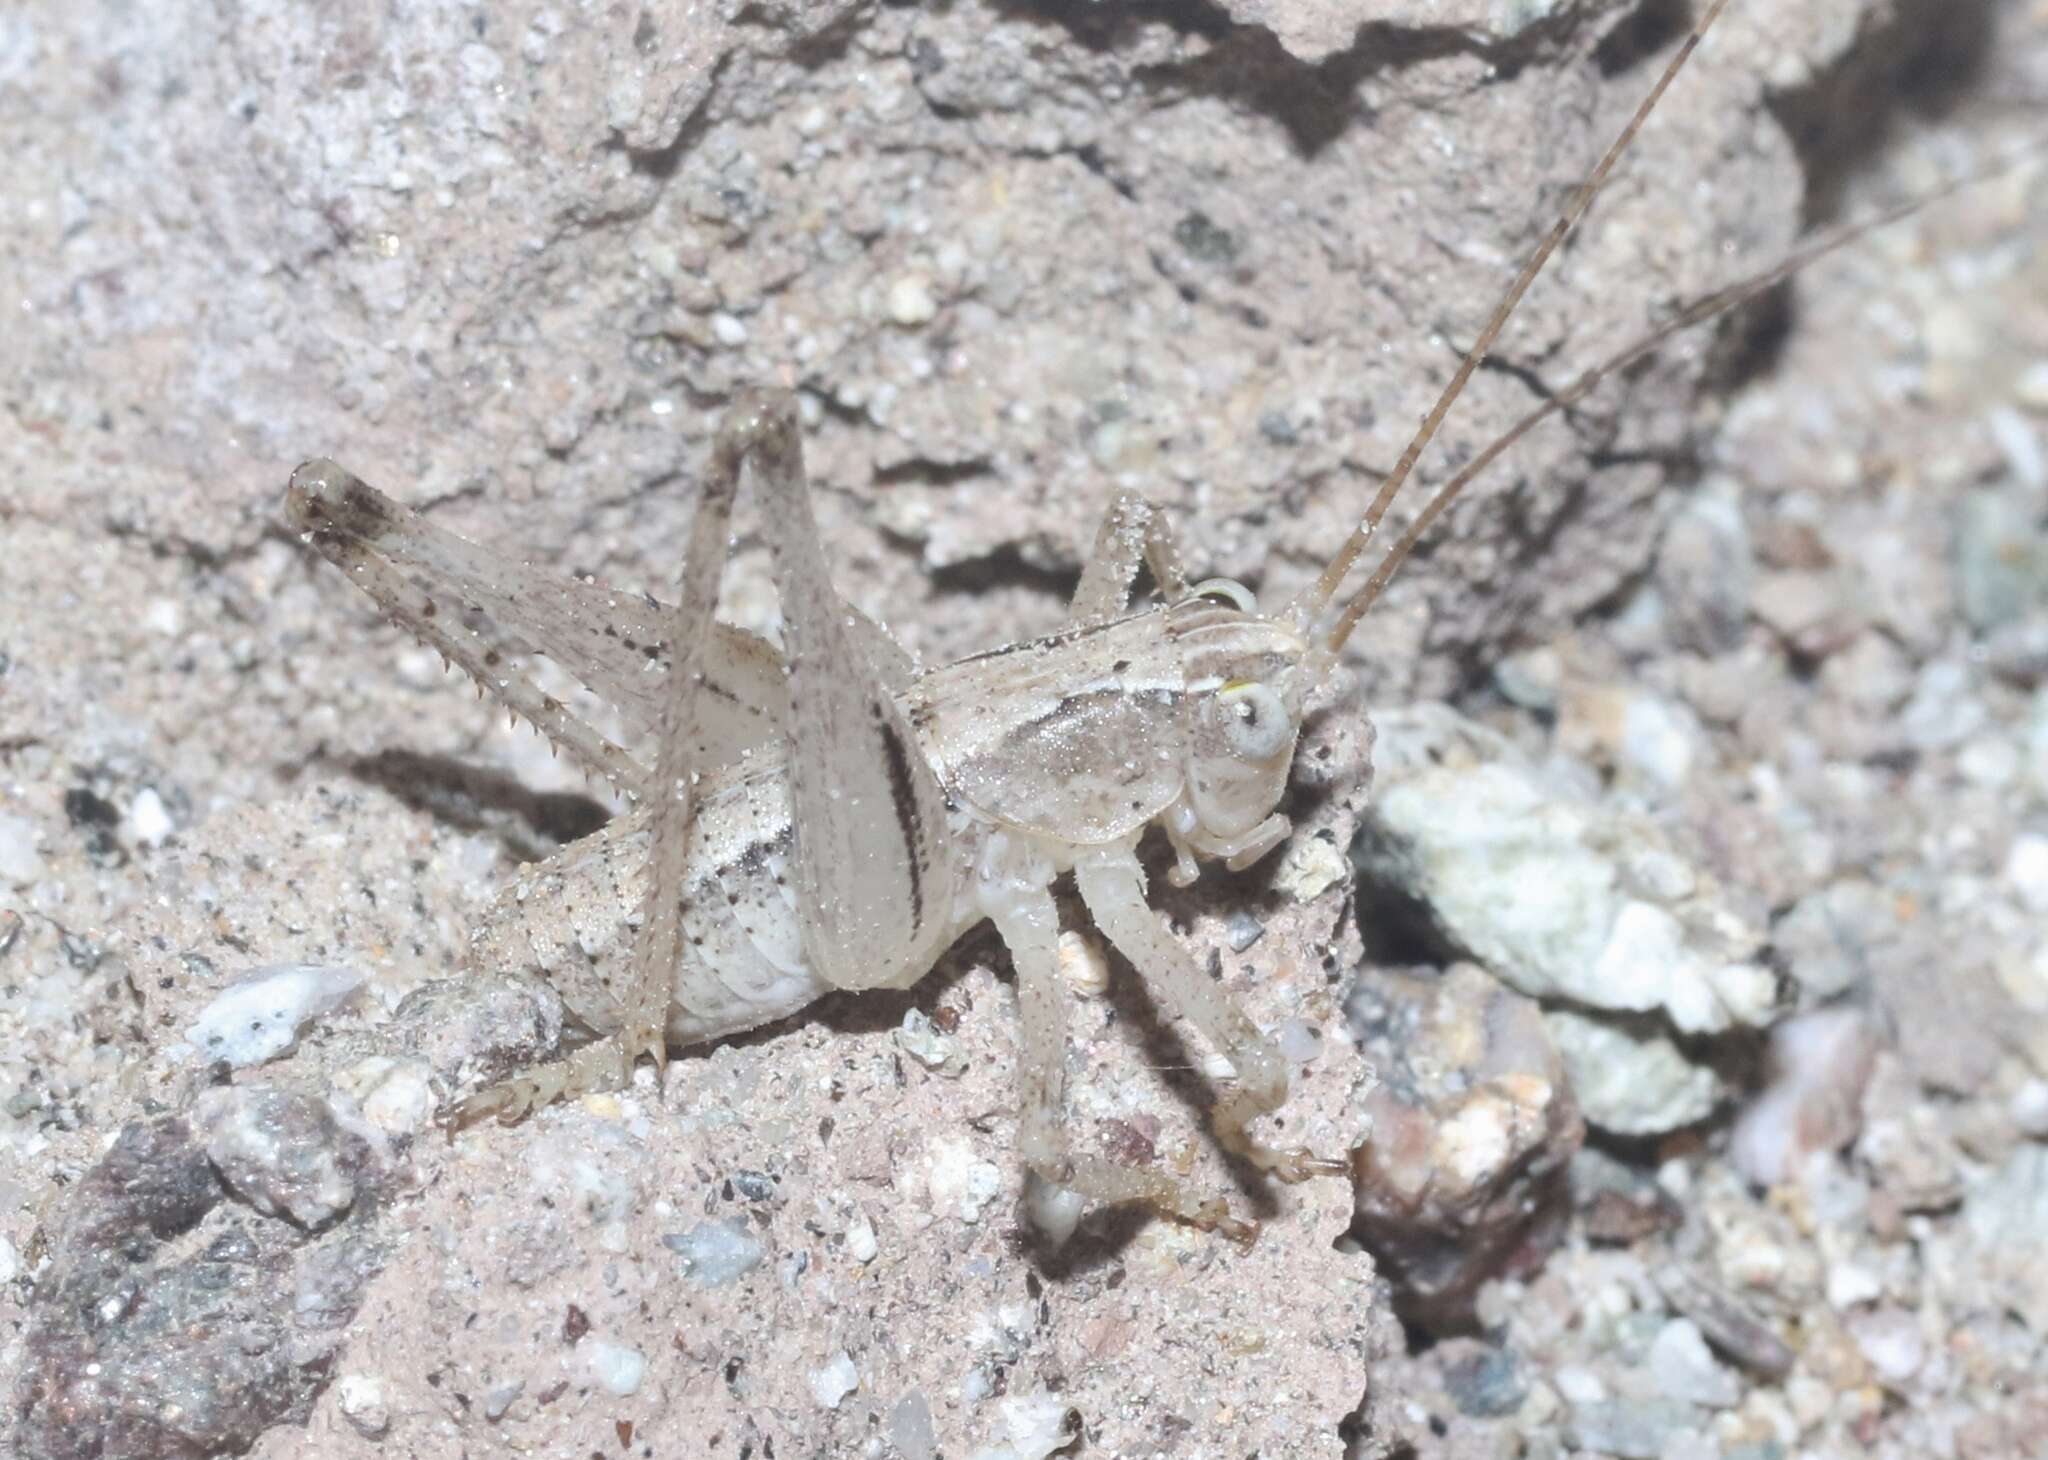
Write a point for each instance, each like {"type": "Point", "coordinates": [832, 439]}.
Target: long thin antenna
{"type": "Point", "coordinates": [1698, 312]}
{"type": "Point", "coordinates": [1311, 605]}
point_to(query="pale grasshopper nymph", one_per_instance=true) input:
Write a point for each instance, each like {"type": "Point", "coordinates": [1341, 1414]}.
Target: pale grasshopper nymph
{"type": "Point", "coordinates": [821, 817]}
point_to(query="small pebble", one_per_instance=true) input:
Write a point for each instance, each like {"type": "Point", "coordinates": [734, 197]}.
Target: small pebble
{"type": "Point", "coordinates": [20, 862]}
{"type": "Point", "coordinates": [1298, 1041]}
{"type": "Point", "coordinates": [1660, 740]}
{"type": "Point", "coordinates": [1242, 929]}
{"type": "Point", "coordinates": [926, 1043]}
{"type": "Point", "coordinates": [2001, 564]}
{"type": "Point", "coordinates": [1487, 1384]}
{"type": "Point", "coordinates": [360, 1398]}
{"type": "Point", "coordinates": [258, 1017]}
{"type": "Point", "coordinates": [2030, 1109]}
{"type": "Point", "coordinates": [1579, 1386]}
{"type": "Point", "coordinates": [1036, 1425]}
{"type": "Point", "coordinates": [281, 1151]}
{"type": "Point", "coordinates": [1890, 1339]}
{"type": "Point", "coordinates": [1531, 678]}
{"type": "Point", "coordinates": [910, 301]}
{"type": "Point", "coordinates": [727, 330]}
{"type": "Point", "coordinates": [1990, 762]}
{"type": "Point", "coordinates": [2031, 389]}
{"type": "Point", "coordinates": [618, 1368]}
{"type": "Point", "coordinates": [149, 824]}
{"type": "Point", "coordinates": [1819, 1064]}
{"type": "Point", "coordinates": [910, 1427]}
{"type": "Point", "coordinates": [861, 1245]}
{"type": "Point", "coordinates": [1053, 1211]}
{"type": "Point", "coordinates": [961, 1183]}
{"type": "Point", "coordinates": [1851, 1283]}
{"type": "Point", "coordinates": [2020, 446]}
{"type": "Point", "coordinates": [837, 1379]}
{"type": "Point", "coordinates": [396, 1095]}
{"type": "Point", "coordinates": [716, 1253]}
{"type": "Point", "coordinates": [2026, 868]}
{"type": "Point", "coordinates": [1686, 1370]}
{"type": "Point", "coordinates": [1632, 1430]}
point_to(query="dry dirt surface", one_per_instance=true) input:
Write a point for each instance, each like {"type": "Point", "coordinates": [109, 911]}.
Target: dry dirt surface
{"type": "Point", "coordinates": [1786, 601]}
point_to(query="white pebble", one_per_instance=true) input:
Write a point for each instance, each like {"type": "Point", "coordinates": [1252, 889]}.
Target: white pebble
{"type": "Point", "coordinates": [2019, 445]}
{"type": "Point", "coordinates": [1298, 1040]}
{"type": "Point", "coordinates": [1036, 1424]}
{"type": "Point", "coordinates": [1310, 867]}
{"type": "Point", "coordinates": [861, 1245]}
{"type": "Point", "coordinates": [926, 1043]}
{"type": "Point", "coordinates": [1578, 1385]}
{"type": "Point", "coordinates": [910, 301]}
{"type": "Point", "coordinates": [617, 1367]}
{"type": "Point", "coordinates": [258, 1017]}
{"type": "Point", "coordinates": [961, 1183]}
{"type": "Point", "coordinates": [1891, 1340]}
{"type": "Point", "coordinates": [1851, 1283]}
{"type": "Point", "coordinates": [1820, 1061]}
{"type": "Point", "coordinates": [1659, 739]}
{"type": "Point", "coordinates": [401, 1100]}
{"type": "Point", "coordinates": [148, 823]}
{"type": "Point", "coordinates": [2030, 1109]}
{"type": "Point", "coordinates": [727, 330]}
{"type": "Point", "coordinates": [1685, 1368]}
{"type": "Point", "coordinates": [2031, 389]}
{"type": "Point", "coordinates": [910, 1427]}
{"type": "Point", "coordinates": [1531, 678]}
{"type": "Point", "coordinates": [2026, 868]}
{"type": "Point", "coordinates": [716, 1253]}
{"type": "Point", "coordinates": [837, 1379]}
{"type": "Point", "coordinates": [1988, 762]}
{"type": "Point", "coordinates": [20, 862]}
{"type": "Point", "coordinates": [360, 1397]}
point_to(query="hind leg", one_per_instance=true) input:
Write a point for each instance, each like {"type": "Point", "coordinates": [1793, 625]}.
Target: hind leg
{"type": "Point", "coordinates": [641, 997]}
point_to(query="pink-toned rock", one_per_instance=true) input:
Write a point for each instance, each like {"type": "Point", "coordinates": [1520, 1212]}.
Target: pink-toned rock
{"type": "Point", "coordinates": [1474, 1126]}
{"type": "Point", "coordinates": [1819, 1063]}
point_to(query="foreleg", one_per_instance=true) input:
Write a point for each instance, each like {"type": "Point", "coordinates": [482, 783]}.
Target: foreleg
{"type": "Point", "coordinates": [1028, 922]}
{"type": "Point", "coordinates": [1112, 885]}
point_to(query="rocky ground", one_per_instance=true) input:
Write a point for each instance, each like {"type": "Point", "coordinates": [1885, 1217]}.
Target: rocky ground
{"type": "Point", "coordinates": [1685, 964]}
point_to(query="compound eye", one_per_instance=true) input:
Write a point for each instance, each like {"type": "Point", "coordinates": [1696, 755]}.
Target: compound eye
{"type": "Point", "coordinates": [1255, 721]}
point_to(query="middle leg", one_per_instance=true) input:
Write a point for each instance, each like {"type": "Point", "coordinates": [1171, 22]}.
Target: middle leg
{"type": "Point", "coordinates": [1133, 531]}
